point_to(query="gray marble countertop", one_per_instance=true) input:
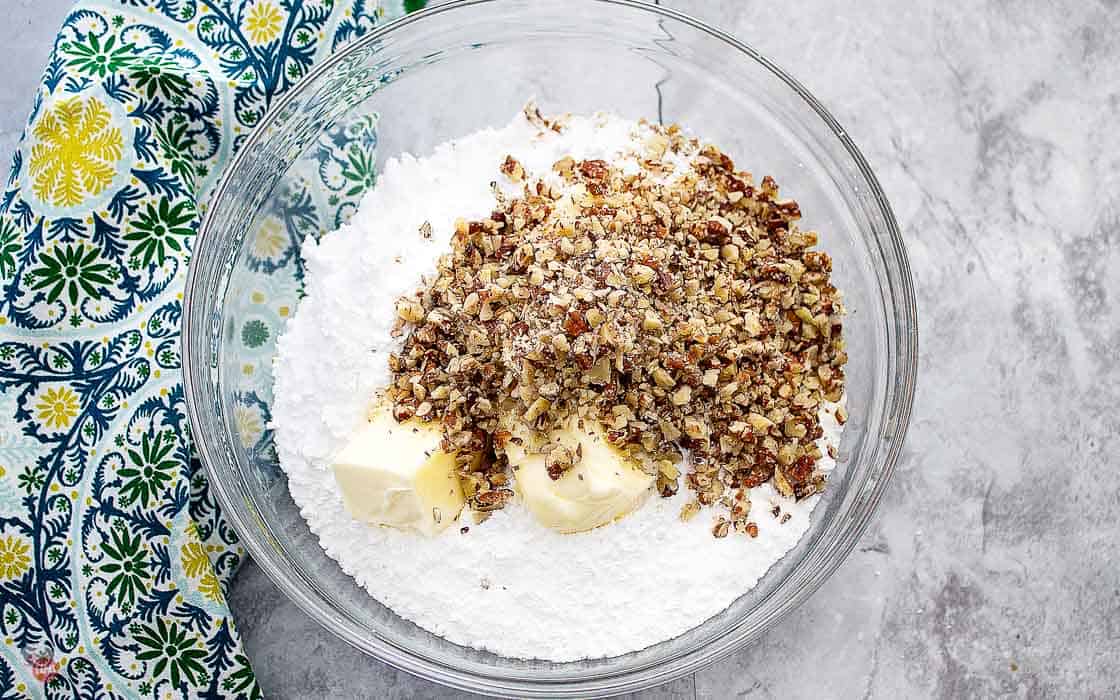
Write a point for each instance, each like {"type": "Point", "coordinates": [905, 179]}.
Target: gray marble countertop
{"type": "Point", "coordinates": [993, 568]}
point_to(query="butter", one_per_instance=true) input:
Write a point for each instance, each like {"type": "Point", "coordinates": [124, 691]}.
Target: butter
{"type": "Point", "coordinates": [603, 486]}
{"type": "Point", "coordinates": [395, 474]}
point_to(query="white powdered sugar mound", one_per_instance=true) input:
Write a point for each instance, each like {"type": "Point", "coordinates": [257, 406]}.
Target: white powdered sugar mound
{"type": "Point", "coordinates": [508, 586]}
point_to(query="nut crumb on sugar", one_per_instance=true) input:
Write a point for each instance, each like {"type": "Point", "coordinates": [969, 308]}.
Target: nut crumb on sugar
{"type": "Point", "coordinates": [723, 336]}
{"type": "Point", "coordinates": [535, 575]}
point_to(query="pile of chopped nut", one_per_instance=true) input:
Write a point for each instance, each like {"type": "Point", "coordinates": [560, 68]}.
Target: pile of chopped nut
{"type": "Point", "coordinates": [685, 313]}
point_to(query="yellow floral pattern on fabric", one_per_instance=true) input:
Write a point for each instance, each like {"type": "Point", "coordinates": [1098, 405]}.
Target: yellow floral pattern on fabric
{"type": "Point", "coordinates": [248, 424]}
{"type": "Point", "coordinates": [196, 565]}
{"type": "Point", "coordinates": [263, 22]}
{"type": "Point", "coordinates": [209, 587]}
{"type": "Point", "coordinates": [57, 407]}
{"type": "Point", "coordinates": [271, 238]}
{"type": "Point", "coordinates": [195, 561]}
{"type": "Point", "coordinates": [76, 151]}
{"type": "Point", "coordinates": [14, 559]}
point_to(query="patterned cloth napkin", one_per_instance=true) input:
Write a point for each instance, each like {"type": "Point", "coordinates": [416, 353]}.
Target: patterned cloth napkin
{"type": "Point", "coordinates": [114, 558]}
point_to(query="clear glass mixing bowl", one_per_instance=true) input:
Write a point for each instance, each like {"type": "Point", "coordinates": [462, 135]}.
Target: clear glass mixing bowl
{"type": "Point", "coordinates": [443, 73]}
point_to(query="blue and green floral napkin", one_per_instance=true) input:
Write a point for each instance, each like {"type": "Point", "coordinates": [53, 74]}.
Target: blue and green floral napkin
{"type": "Point", "coordinates": [114, 558]}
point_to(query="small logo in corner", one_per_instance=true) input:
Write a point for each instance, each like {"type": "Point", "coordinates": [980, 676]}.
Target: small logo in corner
{"type": "Point", "coordinates": [40, 657]}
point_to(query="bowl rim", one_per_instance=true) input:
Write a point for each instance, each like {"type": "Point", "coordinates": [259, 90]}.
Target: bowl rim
{"type": "Point", "coordinates": [898, 408]}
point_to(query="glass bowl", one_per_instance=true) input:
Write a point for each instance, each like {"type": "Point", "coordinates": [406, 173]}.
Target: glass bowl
{"type": "Point", "coordinates": [446, 72]}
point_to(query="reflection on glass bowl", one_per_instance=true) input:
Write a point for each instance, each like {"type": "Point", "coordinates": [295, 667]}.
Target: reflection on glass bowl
{"type": "Point", "coordinates": [443, 73]}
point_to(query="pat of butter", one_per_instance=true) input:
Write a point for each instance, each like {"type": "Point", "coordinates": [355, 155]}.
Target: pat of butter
{"type": "Point", "coordinates": [600, 488]}
{"type": "Point", "coordinates": [395, 474]}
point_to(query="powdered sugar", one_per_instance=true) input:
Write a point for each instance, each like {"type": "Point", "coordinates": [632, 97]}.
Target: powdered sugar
{"type": "Point", "coordinates": [507, 584]}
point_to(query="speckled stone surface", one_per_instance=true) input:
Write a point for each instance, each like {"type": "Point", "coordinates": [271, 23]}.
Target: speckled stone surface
{"type": "Point", "coordinates": [993, 568]}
